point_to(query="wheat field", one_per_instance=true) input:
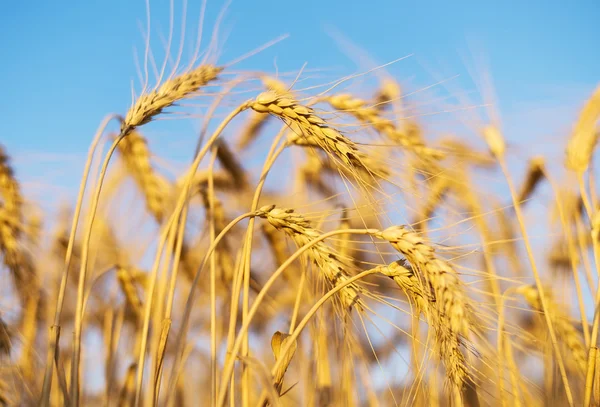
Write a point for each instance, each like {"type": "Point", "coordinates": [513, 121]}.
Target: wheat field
{"type": "Point", "coordinates": [321, 247]}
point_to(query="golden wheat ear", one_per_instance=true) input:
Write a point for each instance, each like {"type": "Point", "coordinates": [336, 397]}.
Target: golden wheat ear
{"type": "Point", "coordinates": [257, 121]}
{"type": "Point", "coordinates": [371, 116]}
{"type": "Point", "coordinates": [564, 328]}
{"type": "Point", "coordinates": [585, 135]}
{"type": "Point", "coordinates": [136, 155]}
{"type": "Point", "coordinates": [329, 262]}
{"type": "Point", "coordinates": [312, 131]}
{"type": "Point", "coordinates": [12, 228]}
{"type": "Point", "coordinates": [151, 104]}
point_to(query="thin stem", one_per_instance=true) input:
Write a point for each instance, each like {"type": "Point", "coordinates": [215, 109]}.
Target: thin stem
{"type": "Point", "coordinates": [213, 289]}
{"type": "Point", "coordinates": [297, 301]}
{"type": "Point", "coordinates": [572, 254]}
{"type": "Point", "coordinates": [53, 348]}
{"type": "Point", "coordinates": [183, 196]}
{"type": "Point", "coordinates": [270, 160]}
{"type": "Point", "coordinates": [294, 336]}
{"type": "Point", "coordinates": [83, 273]}
{"type": "Point", "coordinates": [593, 346]}
{"type": "Point", "coordinates": [190, 301]}
{"type": "Point", "coordinates": [538, 280]}
{"type": "Point", "coordinates": [228, 368]}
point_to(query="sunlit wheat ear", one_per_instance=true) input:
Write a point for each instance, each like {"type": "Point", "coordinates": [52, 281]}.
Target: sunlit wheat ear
{"type": "Point", "coordinates": [328, 261]}
{"type": "Point", "coordinates": [10, 191]}
{"type": "Point", "coordinates": [370, 116]}
{"type": "Point", "coordinates": [16, 260]}
{"type": "Point", "coordinates": [564, 328]}
{"type": "Point", "coordinates": [258, 120]}
{"type": "Point", "coordinates": [584, 136]}
{"type": "Point", "coordinates": [453, 303]}
{"type": "Point", "coordinates": [151, 104]}
{"type": "Point", "coordinates": [406, 279]}
{"type": "Point", "coordinates": [311, 130]}
{"type": "Point", "coordinates": [422, 296]}
{"type": "Point", "coordinates": [533, 177]}
{"type": "Point", "coordinates": [136, 155]}
{"type": "Point", "coordinates": [450, 314]}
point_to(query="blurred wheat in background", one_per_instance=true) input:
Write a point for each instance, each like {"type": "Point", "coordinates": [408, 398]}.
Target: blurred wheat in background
{"type": "Point", "coordinates": [321, 247]}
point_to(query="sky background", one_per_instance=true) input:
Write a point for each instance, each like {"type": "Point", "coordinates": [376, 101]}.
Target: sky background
{"type": "Point", "coordinates": [65, 65]}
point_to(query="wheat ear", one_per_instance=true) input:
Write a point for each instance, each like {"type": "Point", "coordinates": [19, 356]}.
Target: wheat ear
{"type": "Point", "coordinates": [148, 105]}
{"type": "Point", "coordinates": [564, 328]}
{"type": "Point", "coordinates": [312, 130]}
{"type": "Point", "coordinates": [258, 120]}
{"type": "Point", "coordinates": [327, 259]}
{"type": "Point", "coordinates": [368, 115]}
{"type": "Point", "coordinates": [15, 259]}
{"type": "Point", "coordinates": [136, 155]}
{"type": "Point", "coordinates": [584, 136]}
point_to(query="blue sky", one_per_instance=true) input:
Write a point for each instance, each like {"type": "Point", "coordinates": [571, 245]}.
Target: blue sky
{"type": "Point", "coordinates": [67, 64]}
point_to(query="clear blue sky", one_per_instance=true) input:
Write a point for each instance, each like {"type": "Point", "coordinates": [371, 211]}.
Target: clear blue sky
{"type": "Point", "coordinates": [66, 64]}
